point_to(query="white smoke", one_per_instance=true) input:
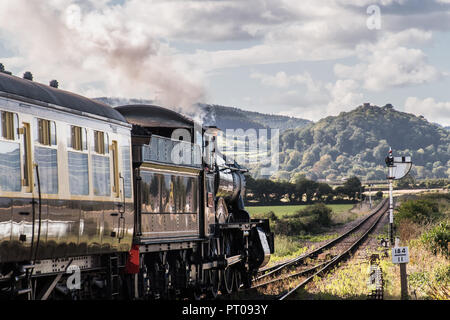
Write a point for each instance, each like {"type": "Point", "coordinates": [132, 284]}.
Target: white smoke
{"type": "Point", "coordinates": [96, 49]}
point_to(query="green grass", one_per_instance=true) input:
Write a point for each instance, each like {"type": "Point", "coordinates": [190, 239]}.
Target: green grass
{"type": "Point", "coordinates": [428, 268]}
{"type": "Point", "coordinates": [291, 209]}
{"type": "Point", "coordinates": [286, 248]}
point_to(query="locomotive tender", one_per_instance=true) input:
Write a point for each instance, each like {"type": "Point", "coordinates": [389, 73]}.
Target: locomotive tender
{"type": "Point", "coordinates": [97, 202]}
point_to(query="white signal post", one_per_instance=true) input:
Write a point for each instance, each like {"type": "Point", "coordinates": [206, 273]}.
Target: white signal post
{"type": "Point", "coordinates": [391, 213]}
{"type": "Point", "coordinates": [398, 167]}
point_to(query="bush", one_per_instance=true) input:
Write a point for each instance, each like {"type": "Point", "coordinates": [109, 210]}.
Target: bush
{"type": "Point", "coordinates": [309, 219]}
{"type": "Point", "coordinates": [433, 284]}
{"type": "Point", "coordinates": [418, 211]}
{"type": "Point", "coordinates": [266, 215]}
{"type": "Point", "coordinates": [379, 195]}
{"type": "Point", "coordinates": [437, 239]}
{"type": "Point", "coordinates": [289, 226]}
{"type": "Point", "coordinates": [436, 196]}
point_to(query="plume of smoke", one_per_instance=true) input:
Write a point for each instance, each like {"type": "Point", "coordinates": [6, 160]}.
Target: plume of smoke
{"type": "Point", "coordinates": [98, 50]}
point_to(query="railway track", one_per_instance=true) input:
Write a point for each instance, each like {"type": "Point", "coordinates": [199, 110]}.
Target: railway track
{"type": "Point", "coordinates": [283, 280]}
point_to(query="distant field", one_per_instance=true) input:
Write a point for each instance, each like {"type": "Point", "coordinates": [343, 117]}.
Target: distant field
{"type": "Point", "coordinates": [290, 209]}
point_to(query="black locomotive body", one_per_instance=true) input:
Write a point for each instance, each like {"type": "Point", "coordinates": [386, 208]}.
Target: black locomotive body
{"type": "Point", "coordinates": [131, 202]}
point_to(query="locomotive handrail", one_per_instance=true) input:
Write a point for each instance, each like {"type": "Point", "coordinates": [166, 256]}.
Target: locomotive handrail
{"type": "Point", "coordinates": [38, 180]}
{"type": "Point", "coordinates": [223, 168]}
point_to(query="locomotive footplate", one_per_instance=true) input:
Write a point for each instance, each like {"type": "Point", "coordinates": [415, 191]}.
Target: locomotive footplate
{"type": "Point", "coordinates": [235, 225]}
{"type": "Point", "coordinates": [243, 226]}
{"type": "Point", "coordinates": [61, 265]}
{"type": "Point", "coordinates": [153, 246]}
{"type": "Point", "coordinates": [222, 262]}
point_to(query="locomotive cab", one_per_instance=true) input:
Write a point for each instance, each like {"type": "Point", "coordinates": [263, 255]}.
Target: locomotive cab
{"type": "Point", "coordinates": [177, 166]}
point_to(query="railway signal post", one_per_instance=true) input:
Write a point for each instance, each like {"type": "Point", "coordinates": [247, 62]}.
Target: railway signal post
{"type": "Point", "coordinates": [398, 168]}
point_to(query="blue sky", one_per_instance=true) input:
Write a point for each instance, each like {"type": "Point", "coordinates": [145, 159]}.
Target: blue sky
{"type": "Point", "coordinates": [308, 59]}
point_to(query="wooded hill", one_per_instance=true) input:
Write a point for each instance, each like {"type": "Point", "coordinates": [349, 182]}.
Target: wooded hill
{"type": "Point", "coordinates": [234, 118]}
{"type": "Point", "coordinates": [355, 143]}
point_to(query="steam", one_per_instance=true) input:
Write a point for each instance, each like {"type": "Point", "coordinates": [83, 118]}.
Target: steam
{"type": "Point", "coordinates": [95, 50]}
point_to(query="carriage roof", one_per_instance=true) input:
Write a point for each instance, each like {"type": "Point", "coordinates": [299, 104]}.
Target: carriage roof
{"type": "Point", "coordinates": [39, 92]}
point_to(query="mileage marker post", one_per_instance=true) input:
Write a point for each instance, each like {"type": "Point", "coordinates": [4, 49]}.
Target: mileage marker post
{"type": "Point", "coordinates": [400, 255]}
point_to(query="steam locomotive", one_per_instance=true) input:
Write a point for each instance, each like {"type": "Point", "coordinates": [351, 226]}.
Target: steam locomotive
{"type": "Point", "coordinates": [133, 202]}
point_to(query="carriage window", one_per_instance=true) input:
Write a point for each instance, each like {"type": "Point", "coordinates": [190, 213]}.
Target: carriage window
{"type": "Point", "coordinates": [78, 173]}
{"type": "Point", "coordinates": [167, 194]}
{"type": "Point", "coordinates": [180, 193]}
{"type": "Point", "coordinates": [186, 194]}
{"type": "Point", "coordinates": [45, 132]}
{"type": "Point", "coordinates": [47, 161]}
{"type": "Point", "coordinates": [10, 170]}
{"type": "Point", "coordinates": [150, 192]}
{"type": "Point", "coordinates": [101, 142]}
{"type": "Point", "coordinates": [10, 175]}
{"type": "Point", "coordinates": [78, 162]}
{"type": "Point", "coordinates": [78, 138]}
{"type": "Point", "coordinates": [126, 169]}
{"type": "Point", "coordinates": [46, 158]}
{"type": "Point", "coordinates": [9, 125]}
{"type": "Point", "coordinates": [52, 133]}
{"type": "Point", "coordinates": [191, 204]}
{"type": "Point", "coordinates": [101, 175]}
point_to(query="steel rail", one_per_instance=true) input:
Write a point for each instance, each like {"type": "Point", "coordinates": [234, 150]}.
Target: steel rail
{"type": "Point", "coordinates": [292, 262]}
{"type": "Point", "coordinates": [300, 273]}
{"type": "Point", "coordinates": [335, 260]}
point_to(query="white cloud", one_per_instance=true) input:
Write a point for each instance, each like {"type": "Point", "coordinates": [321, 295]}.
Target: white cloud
{"type": "Point", "coordinates": [429, 108]}
{"type": "Point", "coordinates": [128, 49]}
{"type": "Point", "coordinates": [345, 96]}
{"type": "Point", "coordinates": [388, 63]}
{"type": "Point", "coordinates": [282, 80]}
{"type": "Point", "coordinates": [302, 96]}
{"type": "Point", "coordinates": [307, 30]}
{"type": "Point", "coordinates": [96, 48]}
